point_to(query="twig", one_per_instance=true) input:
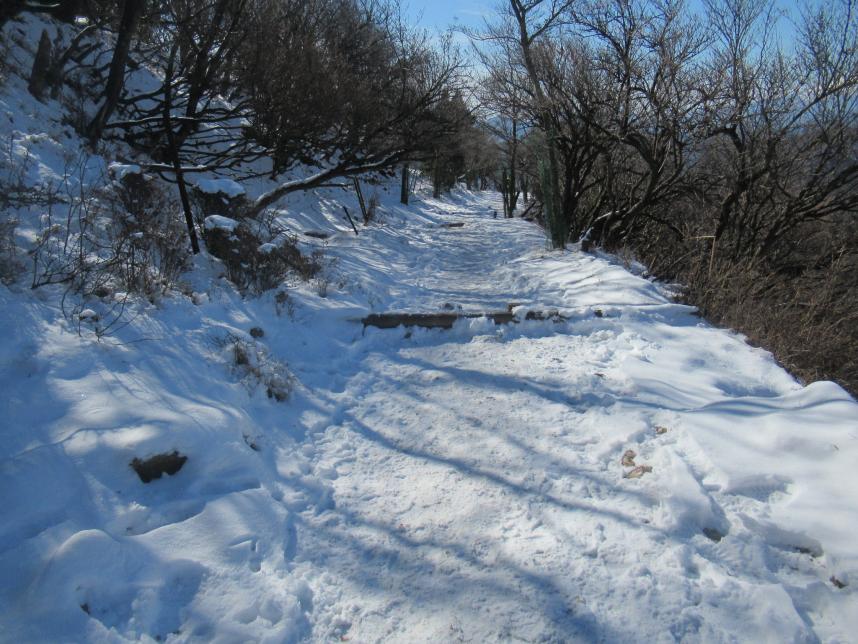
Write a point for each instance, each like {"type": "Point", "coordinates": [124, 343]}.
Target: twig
{"type": "Point", "coordinates": [350, 220]}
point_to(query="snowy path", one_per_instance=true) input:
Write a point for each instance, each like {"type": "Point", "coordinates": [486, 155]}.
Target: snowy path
{"type": "Point", "coordinates": [478, 490]}
{"type": "Point", "coordinates": [422, 486]}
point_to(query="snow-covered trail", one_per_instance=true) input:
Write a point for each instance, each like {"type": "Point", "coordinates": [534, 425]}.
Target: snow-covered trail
{"type": "Point", "coordinates": [478, 489]}
{"type": "Point", "coordinates": [422, 486]}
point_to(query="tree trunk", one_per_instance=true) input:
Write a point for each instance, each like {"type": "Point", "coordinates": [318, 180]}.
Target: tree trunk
{"type": "Point", "coordinates": [361, 202]}
{"type": "Point", "coordinates": [174, 154]}
{"type": "Point", "coordinates": [557, 224]}
{"type": "Point", "coordinates": [403, 191]}
{"type": "Point", "coordinates": [131, 11]}
{"type": "Point", "coordinates": [505, 193]}
{"type": "Point", "coordinates": [41, 65]}
{"type": "Point", "coordinates": [513, 161]}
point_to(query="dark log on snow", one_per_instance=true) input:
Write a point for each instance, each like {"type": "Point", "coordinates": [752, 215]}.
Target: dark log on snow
{"type": "Point", "coordinates": [447, 320]}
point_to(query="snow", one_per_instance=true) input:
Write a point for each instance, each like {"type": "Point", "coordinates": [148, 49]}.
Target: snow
{"type": "Point", "coordinates": [226, 187]}
{"type": "Point", "coordinates": [120, 170]}
{"type": "Point", "coordinates": [417, 485]}
{"type": "Point", "coordinates": [213, 222]}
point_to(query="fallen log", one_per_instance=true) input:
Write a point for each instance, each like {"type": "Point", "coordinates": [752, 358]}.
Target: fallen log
{"type": "Point", "coordinates": [447, 320]}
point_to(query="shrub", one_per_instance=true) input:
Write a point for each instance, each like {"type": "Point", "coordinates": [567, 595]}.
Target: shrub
{"type": "Point", "coordinates": [372, 208]}
{"type": "Point", "coordinates": [808, 321]}
{"type": "Point", "coordinates": [255, 367]}
{"type": "Point", "coordinates": [10, 267]}
{"type": "Point", "coordinates": [125, 236]}
{"type": "Point", "coordinates": [147, 238]}
{"type": "Point", "coordinates": [257, 266]}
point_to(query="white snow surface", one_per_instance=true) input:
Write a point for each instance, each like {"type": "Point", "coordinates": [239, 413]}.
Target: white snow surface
{"type": "Point", "coordinates": [425, 485]}
{"type": "Point", "coordinates": [120, 170]}
{"type": "Point", "coordinates": [226, 187]}
{"type": "Point", "coordinates": [418, 485]}
{"type": "Point", "coordinates": [220, 222]}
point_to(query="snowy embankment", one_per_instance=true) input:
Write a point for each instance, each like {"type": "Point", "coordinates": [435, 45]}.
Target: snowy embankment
{"type": "Point", "coordinates": [626, 474]}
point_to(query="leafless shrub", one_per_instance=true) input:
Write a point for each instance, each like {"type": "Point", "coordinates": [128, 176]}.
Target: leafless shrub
{"type": "Point", "coordinates": [257, 266]}
{"type": "Point", "coordinates": [5, 66]}
{"type": "Point", "coordinates": [255, 368]}
{"type": "Point", "coordinates": [372, 208]}
{"type": "Point", "coordinates": [15, 191]}
{"type": "Point", "coordinates": [145, 235]}
{"type": "Point", "coordinates": [125, 236]}
{"type": "Point", "coordinates": [808, 321]}
{"type": "Point", "coordinates": [283, 303]}
{"type": "Point", "coordinates": [10, 267]}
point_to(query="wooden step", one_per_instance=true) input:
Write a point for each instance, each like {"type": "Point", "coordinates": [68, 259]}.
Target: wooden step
{"type": "Point", "coordinates": [446, 320]}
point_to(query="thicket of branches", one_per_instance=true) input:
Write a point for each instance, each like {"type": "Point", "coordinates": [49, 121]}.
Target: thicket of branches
{"type": "Point", "coordinates": [341, 87]}
{"type": "Point", "coordinates": [722, 147]}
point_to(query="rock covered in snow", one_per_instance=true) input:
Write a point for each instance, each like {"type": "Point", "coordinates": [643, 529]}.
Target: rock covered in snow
{"type": "Point", "coordinates": [226, 187]}
{"type": "Point", "coordinates": [219, 222]}
{"type": "Point", "coordinates": [120, 170]}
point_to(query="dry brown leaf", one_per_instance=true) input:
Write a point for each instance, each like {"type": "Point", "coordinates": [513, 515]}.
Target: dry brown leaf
{"type": "Point", "coordinates": [638, 472]}
{"type": "Point", "coordinates": [629, 458]}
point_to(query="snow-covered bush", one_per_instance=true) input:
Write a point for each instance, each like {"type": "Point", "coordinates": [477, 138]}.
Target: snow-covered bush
{"type": "Point", "coordinates": [147, 237]}
{"type": "Point", "coordinates": [253, 264]}
{"type": "Point", "coordinates": [219, 196]}
{"type": "Point", "coordinates": [126, 236]}
{"type": "Point", "coordinates": [255, 368]}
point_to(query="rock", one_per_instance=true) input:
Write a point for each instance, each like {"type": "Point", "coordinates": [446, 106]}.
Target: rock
{"type": "Point", "coordinates": [257, 332]}
{"type": "Point", "coordinates": [713, 533]}
{"type": "Point", "coordinates": [152, 468]}
{"type": "Point", "coordinates": [629, 458]}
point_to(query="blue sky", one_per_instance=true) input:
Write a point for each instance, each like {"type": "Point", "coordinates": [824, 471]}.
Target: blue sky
{"type": "Point", "coordinates": [441, 14]}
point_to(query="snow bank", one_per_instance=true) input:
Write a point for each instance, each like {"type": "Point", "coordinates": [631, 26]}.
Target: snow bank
{"type": "Point", "coordinates": [226, 187]}
{"type": "Point", "coordinates": [120, 170]}
{"type": "Point", "coordinates": [213, 222]}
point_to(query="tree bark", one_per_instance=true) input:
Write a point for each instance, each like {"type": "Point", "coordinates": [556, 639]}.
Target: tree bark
{"type": "Point", "coordinates": [174, 154]}
{"type": "Point", "coordinates": [361, 201]}
{"type": "Point", "coordinates": [131, 11]}
{"type": "Point", "coordinates": [558, 227]}
{"type": "Point", "coordinates": [403, 191]}
{"type": "Point", "coordinates": [41, 65]}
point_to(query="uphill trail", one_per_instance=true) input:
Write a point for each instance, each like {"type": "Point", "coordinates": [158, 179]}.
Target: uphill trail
{"type": "Point", "coordinates": [601, 478]}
